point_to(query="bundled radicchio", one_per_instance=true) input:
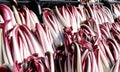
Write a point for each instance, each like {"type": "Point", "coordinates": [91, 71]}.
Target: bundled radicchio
{"type": "Point", "coordinates": [70, 39]}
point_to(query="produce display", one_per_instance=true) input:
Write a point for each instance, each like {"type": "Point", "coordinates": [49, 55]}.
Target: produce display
{"type": "Point", "coordinates": [83, 38]}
